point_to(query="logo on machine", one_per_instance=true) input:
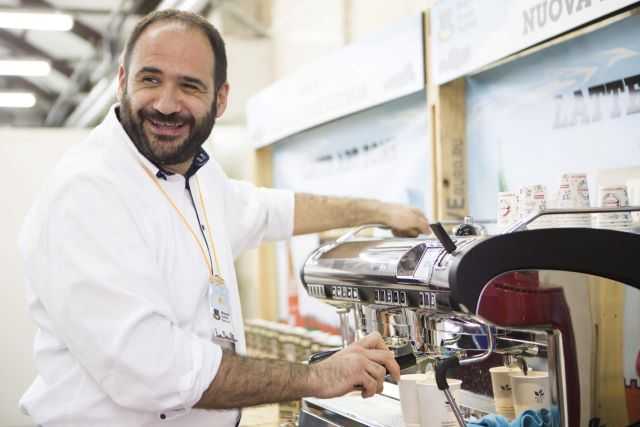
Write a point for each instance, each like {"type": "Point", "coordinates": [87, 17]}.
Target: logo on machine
{"type": "Point", "coordinates": [539, 395]}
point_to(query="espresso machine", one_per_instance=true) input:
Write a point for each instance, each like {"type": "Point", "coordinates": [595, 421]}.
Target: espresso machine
{"type": "Point", "coordinates": [463, 302]}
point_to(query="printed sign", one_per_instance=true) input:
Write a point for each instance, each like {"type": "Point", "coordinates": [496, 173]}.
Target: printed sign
{"type": "Point", "coordinates": [466, 35]}
{"type": "Point", "coordinates": [571, 109]}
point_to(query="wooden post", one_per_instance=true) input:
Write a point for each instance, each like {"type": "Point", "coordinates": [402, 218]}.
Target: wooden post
{"type": "Point", "coordinates": [446, 105]}
{"type": "Point", "coordinates": [267, 286]}
{"type": "Point", "coordinates": [607, 302]}
{"type": "Point", "coordinates": [448, 112]}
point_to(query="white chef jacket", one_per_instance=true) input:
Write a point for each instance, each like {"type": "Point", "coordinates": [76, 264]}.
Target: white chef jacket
{"type": "Point", "coordinates": [118, 287]}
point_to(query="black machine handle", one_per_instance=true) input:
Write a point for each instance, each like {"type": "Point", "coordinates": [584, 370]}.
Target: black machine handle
{"type": "Point", "coordinates": [603, 253]}
{"type": "Point", "coordinates": [442, 367]}
{"type": "Point", "coordinates": [404, 361]}
{"type": "Point", "coordinates": [443, 237]}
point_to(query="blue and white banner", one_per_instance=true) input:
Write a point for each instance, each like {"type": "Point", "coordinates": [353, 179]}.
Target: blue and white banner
{"type": "Point", "coordinates": [467, 35]}
{"type": "Point", "coordinates": [572, 108]}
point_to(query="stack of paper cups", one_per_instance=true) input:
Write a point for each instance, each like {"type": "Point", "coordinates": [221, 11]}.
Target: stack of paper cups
{"type": "Point", "coordinates": [573, 194]}
{"type": "Point", "coordinates": [633, 190]}
{"type": "Point", "coordinates": [614, 197]}
{"type": "Point", "coordinates": [507, 209]}
{"type": "Point", "coordinates": [532, 199]}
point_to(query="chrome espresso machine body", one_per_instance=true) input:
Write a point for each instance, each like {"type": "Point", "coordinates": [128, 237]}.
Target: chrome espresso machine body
{"type": "Point", "coordinates": [473, 301]}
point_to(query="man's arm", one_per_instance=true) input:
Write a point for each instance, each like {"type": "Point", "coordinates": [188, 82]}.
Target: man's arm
{"type": "Point", "coordinates": [313, 213]}
{"type": "Point", "coordinates": [246, 381]}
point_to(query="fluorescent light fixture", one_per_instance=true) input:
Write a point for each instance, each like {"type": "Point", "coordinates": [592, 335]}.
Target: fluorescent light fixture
{"type": "Point", "coordinates": [24, 68]}
{"type": "Point", "coordinates": [36, 21]}
{"type": "Point", "coordinates": [17, 100]}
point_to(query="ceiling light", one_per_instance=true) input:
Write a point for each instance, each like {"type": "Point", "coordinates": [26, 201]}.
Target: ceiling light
{"type": "Point", "coordinates": [17, 100]}
{"type": "Point", "coordinates": [24, 68]}
{"type": "Point", "coordinates": [36, 21]}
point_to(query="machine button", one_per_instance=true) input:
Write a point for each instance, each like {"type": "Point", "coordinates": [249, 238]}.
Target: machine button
{"type": "Point", "coordinates": [403, 298]}
{"type": "Point", "coordinates": [396, 298]}
{"type": "Point", "coordinates": [389, 297]}
{"type": "Point", "coordinates": [348, 292]}
{"type": "Point", "coordinates": [355, 295]}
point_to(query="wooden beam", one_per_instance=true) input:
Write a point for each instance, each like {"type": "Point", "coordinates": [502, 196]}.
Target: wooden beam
{"type": "Point", "coordinates": [609, 401]}
{"type": "Point", "coordinates": [268, 284]}
{"type": "Point", "coordinates": [450, 151]}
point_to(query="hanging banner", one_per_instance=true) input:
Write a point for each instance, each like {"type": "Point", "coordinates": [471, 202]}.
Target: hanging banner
{"type": "Point", "coordinates": [386, 66]}
{"type": "Point", "coordinates": [467, 35]}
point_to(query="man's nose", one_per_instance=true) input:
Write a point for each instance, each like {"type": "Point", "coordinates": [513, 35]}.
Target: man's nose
{"type": "Point", "coordinates": [167, 101]}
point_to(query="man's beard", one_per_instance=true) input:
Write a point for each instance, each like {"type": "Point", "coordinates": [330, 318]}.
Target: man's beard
{"type": "Point", "coordinates": [199, 131]}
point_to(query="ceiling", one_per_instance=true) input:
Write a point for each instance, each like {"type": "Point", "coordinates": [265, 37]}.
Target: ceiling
{"type": "Point", "coordinates": [81, 59]}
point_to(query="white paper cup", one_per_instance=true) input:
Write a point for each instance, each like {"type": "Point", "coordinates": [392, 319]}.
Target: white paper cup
{"type": "Point", "coordinates": [502, 391]}
{"type": "Point", "coordinates": [409, 398]}
{"type": "Point", "coordinates": [530, 391]}
{"type": "Point", "coordinates": [614, 197]}
{"type": "Point", "coordinates": [573, 194]}
{"type": "Point", "coordinates": [433, 406]}
{"type": "Point", "coordinates": [532, 199]}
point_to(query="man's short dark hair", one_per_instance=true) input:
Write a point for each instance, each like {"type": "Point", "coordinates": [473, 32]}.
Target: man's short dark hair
{"type": "Point", "coordinates": [190, 20]}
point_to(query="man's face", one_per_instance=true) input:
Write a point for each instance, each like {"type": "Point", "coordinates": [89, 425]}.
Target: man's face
{"type": "Point", "coordinates": [168, 102]}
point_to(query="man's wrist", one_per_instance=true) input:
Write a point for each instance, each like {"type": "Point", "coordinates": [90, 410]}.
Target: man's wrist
{"type": "Point", "coordinates": [310, 381]}
{"type": "Point", "coordinates": [372, 212]}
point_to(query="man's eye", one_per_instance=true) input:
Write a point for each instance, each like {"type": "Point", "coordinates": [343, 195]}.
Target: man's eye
{"type": "Point", "coordinates": [190, 87]}
{"type": "Point", "coordinates": [150, 80]}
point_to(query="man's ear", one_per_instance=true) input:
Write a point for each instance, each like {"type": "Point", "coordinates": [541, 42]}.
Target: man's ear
{"type": "Point", "coordinates": [122, 82]}
{"type": "Point", "coordinates": [221, 99]}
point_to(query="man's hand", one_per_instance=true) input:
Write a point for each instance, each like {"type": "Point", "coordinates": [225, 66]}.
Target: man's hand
{"type": "Point", "coordinates": [360, 366]}
{"type": "Point", "coordinates": [405, 221]}
{"type": "Point", "coordinates": [313, 213]}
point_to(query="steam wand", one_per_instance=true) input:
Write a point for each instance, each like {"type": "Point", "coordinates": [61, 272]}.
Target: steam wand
{"type": "Point", "coordinates": [443, 366]}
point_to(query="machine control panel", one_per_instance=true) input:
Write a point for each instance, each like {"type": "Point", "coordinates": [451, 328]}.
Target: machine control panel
{"type": "Point", "coordinates": [316, 290]}
{"type": "Point", "coordinates": [345, 293]}
{"type": "Point", "coordinates": [427, 300]}
{"type": "Point", "coordinates": [390, 297]}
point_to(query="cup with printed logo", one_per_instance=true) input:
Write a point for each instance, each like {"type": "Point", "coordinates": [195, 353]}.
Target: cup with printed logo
{"type": "Point", "coordinates": [507, 209]}
{"type": "Point", "coordinates": [409, 398]}
{"type": "Point", "coordinates": [434, 408]}
{"type": "Point", "coordinates": [532, 199]}
{"type": "Point", "coordinates": [501, 385]}
{"type": "Point", "coordinates": [530, 391]}
{"type": "Point", "coordinates": [573, 194]}
{"type": "Point", "coordinates": [614, 197]}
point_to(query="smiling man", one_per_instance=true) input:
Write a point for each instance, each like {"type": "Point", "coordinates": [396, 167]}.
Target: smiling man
{"type": "Point", "coordinates": [129, 253]}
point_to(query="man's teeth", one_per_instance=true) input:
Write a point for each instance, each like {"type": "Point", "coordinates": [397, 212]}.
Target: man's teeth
{"type": "Point", "coordinates": [167, 124]}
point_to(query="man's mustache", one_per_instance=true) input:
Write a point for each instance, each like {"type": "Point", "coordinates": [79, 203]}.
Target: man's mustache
{"type": "Point", "coordinates": [173, 118]}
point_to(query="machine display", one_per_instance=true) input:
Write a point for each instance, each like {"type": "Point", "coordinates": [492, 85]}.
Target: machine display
{"type": "Point", "coordinates": [475, 302]}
